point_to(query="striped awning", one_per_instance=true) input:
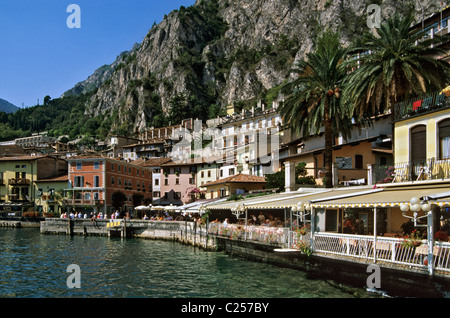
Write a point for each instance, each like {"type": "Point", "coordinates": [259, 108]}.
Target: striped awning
{"type": "Point", "coordinates": [387, 197]}
{"type": "Point", "coordinates": [358, 197]}
{"type": "Point", "coordinates": [289, 199]}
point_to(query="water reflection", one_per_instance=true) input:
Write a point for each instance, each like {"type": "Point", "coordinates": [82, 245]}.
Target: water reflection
{"type": "Point", "coordinates": [34, 265]}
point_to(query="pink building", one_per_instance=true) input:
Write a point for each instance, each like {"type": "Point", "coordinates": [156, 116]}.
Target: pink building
{"type": "Point", "coordinates": [177, 181]}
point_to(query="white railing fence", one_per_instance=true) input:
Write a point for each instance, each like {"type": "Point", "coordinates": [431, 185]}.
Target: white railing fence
{"type": "Point", "coordinates": [385, 249]}
{"type": "Point", "coordinates": [274, 235]}
{"type": "Point", "coordinates": [363, 247]}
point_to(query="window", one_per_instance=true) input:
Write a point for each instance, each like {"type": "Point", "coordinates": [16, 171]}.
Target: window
{"type": "Point", "coordinates": [96, 165]}
{"type": "Point", "coordinates": [358, 161]}
{"type": "Point", "coordinates": [444, 139]}
{"type": "Point", "coordinates": [78, 165]}
{"type": "Point", "coordinates": [119, 182]}
{"type": "Point", "coordinates": [156, 182]}
{"type": "Point", "coordinates": [96, 181]}
{"type": "Point", "coordinates": [231, 171]}
{"type": "Point", "coordinates": [78, 181]}
{"type": "Point", "coordinates": [177, 181]}
{"type": "Point", "coordinates": [112, 180]}
{"type": "Point", "coordinates": [156, 194]}
{"type": "Point", "coordinates": [418, 138]}
{"type": "Point", "coordinates": [177, 196]}
{"type": "Point", "coordinates": [166, 181]}
{"type": "Point", "coordinates": [331, 221]}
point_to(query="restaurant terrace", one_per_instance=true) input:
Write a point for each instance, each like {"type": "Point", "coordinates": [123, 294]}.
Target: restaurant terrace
{"type": "Point", "coordinates": [401, 225]}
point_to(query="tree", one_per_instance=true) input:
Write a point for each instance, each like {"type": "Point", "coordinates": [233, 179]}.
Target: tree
{"type": "Point", "coordinates": [118, 198]}
{"type": "Point", "coordinates": [47, 99]}
{"type": "Point", "coordinates": [399, 66]}
{"type": "Point", "coordinates": [277, 180]}
{"type": "Point", "coordinates": [137, 199]}
{"type": "Point", "coordinates": [314, 99]}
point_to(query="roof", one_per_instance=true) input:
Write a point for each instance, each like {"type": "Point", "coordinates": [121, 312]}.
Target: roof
{"type": "Point", "coordinates": [151, 162]}
{"type": "Point", "coordinates": [22, 158]}
{"type": "Point", "coordinates": [63, 178]}
{"type": "Point", "coordinates": [238, 178]}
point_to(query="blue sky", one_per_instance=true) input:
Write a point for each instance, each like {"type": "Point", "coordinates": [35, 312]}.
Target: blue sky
{"type": "Point", "coordinates": [40, 55]}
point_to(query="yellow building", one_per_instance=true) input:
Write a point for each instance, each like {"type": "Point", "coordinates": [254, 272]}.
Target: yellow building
{"type": "Point", "coordinates": [49, 195]}
{"type": "Point", "coordinates": [422, 138]}
{"type": "Point", "coordinates": [18, 177]}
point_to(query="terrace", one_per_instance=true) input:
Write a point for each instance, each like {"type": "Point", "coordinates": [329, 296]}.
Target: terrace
{"type": "Point", "coordinates": [424, 104]}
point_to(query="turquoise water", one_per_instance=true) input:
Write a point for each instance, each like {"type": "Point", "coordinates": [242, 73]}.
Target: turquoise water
{"type": "Point", "coordinates": [35, 266]}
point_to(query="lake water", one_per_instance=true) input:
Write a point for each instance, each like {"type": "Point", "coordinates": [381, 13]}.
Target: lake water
{"type": "Point", "coordinates": [35, 265]}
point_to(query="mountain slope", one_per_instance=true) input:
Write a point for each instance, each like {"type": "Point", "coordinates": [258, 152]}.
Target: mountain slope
{"type": "Point", "coordinates": [222, 52]}
{"type": "Point", "coordinates": [7, 107]}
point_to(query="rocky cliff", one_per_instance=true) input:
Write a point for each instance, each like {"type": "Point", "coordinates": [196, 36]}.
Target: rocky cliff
{"type": "Point", "coordinates": [220, 52]}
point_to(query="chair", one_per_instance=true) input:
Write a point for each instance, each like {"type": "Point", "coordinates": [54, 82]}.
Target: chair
{"type": "Point", "coordinates": [401, 173]}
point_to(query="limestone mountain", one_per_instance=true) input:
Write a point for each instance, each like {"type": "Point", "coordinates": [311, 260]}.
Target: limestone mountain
{"type": "Point", "coordinates": [221, 52]}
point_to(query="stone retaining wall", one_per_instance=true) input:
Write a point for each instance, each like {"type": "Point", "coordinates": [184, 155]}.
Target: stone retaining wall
{"type": "Point", "coordinates": [184, 232]}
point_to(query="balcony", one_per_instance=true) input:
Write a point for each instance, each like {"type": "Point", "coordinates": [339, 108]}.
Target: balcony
{"type": "Point", "coordinates": [83, 202]}
{"type": "Point", "coordinates": [419, 170]}
{"type": "Point", "coordinates": [15, 197]}
{"type": "Point", "coordinates": [19, 182]}
{"type": "Point", "coordinates": [422, 105]}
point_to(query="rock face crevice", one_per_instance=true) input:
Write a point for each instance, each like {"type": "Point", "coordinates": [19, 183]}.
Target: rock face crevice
{"type": "Point", "coordinates": [220, 52]}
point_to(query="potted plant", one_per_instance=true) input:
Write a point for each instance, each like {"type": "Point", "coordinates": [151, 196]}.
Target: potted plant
{"type": "Point", "coordinates": [301, 231]}
{"type": "Point", "coordinates": [304, 247]}
{"type": "Point", "coordinates": [412, 240]}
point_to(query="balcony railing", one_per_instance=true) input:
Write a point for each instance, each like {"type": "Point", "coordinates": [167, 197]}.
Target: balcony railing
{"type": "Point", "coordinates": [386, 249]}
{"type": "Point", "coordinates": [418, 170]}
{"type": "Point", "coordinates": [421, 105]}
{"type": "Point", "coordinates": [14, 197]}
{"type": "Point", "coordinates": [80, 202]}
{"type": "Point", "coordinates": [19, 181]}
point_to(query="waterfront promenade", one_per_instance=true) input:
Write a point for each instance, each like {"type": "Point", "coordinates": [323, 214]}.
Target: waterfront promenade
{"type": "Point", "coordinates": [267, 245]}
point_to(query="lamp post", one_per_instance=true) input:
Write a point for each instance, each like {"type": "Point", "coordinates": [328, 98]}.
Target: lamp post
{"type": "Point", "coordinates": [415, 206]}
{"type": "Point", "coordinates": [237, 211]}
{"type": "Point", "coordinates": [300, 210]}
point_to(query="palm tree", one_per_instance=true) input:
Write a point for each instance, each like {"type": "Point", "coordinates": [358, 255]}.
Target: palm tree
{"type": "Point", "coordinates": [399, 65]}
{"type": "Point", "coordinates": [313, 102]}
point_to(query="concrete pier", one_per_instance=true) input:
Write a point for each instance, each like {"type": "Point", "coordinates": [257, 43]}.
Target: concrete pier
{"type": "Point", "coordinates": [184, 232]}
